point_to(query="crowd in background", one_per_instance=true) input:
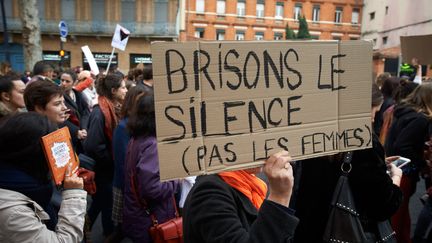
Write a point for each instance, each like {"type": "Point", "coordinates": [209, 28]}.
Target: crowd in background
{"type": "Point", "coordinates": [111, 119]}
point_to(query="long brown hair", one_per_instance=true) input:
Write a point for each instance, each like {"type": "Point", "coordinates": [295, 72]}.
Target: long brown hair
{"type": "Point", "coordinates": [421, 99]}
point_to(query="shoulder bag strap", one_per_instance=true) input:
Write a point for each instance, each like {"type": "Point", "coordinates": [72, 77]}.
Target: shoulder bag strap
{"type": "Point", "coordinates": [143, 202]}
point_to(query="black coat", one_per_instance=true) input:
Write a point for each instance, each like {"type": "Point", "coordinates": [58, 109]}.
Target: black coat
{"type": "Point", "coordinates": [375, 195]}
{"type": "Point", "coordinates": [81, 110]}
{"type": "Point", "coordinates": [406, 137]}
{"type": "Point", "coordinates": [216, 212]}
{"type": "Point", "coordinates": [98, 147]}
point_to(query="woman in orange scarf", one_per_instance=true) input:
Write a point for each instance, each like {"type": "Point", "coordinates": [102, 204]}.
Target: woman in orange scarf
{"type": "Point", "coordinates": [98, 145]}
{"type": "Point", "coordinates": [232, 206]}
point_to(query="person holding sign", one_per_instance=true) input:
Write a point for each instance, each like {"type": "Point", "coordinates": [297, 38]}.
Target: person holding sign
{"type": "Point", "coordinates": [25, 186]}
{"type": "Point", "coordinates": [376, 193]}
{"type": "Point", "coordinates": [232, 206]}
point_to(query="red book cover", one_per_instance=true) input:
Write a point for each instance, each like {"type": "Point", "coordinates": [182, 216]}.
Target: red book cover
{"type": "Point", "coordinates": [59, 153]}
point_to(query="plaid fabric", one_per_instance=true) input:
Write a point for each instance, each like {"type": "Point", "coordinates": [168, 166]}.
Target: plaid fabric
{"type": "Point", "coordinates": [117, 210]}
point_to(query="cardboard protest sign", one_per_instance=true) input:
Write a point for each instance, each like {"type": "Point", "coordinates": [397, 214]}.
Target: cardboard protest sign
{"type": "Point", "coordinates": [59, 153]}
{"type": "Point", "coordinates": [90, 59]}
{"type": "Point", "coordinates": [229, 105]}
{"type": "Point", "coordinates": [418, 46]}
{"type": "Point", "coordinates": [120, 38]}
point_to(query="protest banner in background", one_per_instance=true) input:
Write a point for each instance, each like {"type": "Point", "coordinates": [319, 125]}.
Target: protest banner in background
{"type": "Point", "coordinates": [229, 105]}
{"type": "Point", "coordinates": [120, 37]}
{"type": "Point", "coordinates": [90, 59]}
{"type": "Point", "coordinates": [418, 46]}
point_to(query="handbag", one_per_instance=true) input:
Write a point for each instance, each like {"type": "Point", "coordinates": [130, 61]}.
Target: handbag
{"type": "Point", "coordinates": [170, 231]}
{"type": "Point", "coordinates": [344, 223]}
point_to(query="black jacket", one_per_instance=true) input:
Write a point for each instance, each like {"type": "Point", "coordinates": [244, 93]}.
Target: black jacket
{"type": "Point", "coordinates": [81, 110]}
{"type": "Point", "coordinates": [375, 195]}
{"type": "Point", "coordinates": [407, 135]}
{"type": "Point", "coordinates": [98, 147]}
{"type": "Point", "coordinates": [216, 212]}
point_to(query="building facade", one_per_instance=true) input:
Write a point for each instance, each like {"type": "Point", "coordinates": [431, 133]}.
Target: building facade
{"type": "Point", "coordinates": [92, 23]}
{"type": "Point", "coordinates": [384, 21]}
{"type": "Point", "coordinates": [267, 19]}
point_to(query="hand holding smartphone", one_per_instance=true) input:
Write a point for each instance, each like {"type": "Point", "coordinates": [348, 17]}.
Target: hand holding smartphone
{"type": "Point", "coordinates": [402, 161]}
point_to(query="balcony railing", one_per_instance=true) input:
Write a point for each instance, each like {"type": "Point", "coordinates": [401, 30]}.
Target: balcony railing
{"type": "Point", "coordinates": [100, 27]}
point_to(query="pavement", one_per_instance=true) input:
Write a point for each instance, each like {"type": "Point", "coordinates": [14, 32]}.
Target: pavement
{"type": "Point", "coordinates": [415, 208]}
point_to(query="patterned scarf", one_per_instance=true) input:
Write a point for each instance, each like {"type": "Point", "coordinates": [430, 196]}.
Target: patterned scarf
{"type": "Point", "coordinates": [111, 114]}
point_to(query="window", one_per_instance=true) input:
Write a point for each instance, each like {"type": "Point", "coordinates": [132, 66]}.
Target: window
{"type": "Point", "coordinates": [338, 15]}
{"type": "Point", "coordinates": [386, 11]}
{"type": "Point", "coordinates": [98, 12]}
{"type": "Point", "coordinates": [384, 39]}
{"type": "Point", "coordinates": [337, 38]}
{"type": "Point", "coordinates": [374, 41]}
{"type": "Point", "coordinates": [277, 36]}
{"type": "Point", "coordinates": [199, 33]}
{"type": "Point", "coordinates": [8, 9]}
{"type": "Point", "coordinates": [241, 8]}
{"type": "Point", "coordinates": [279, 13]}
{"type": "Point", "coordinates": [259, 36]}
{"type": "Point", "coordinates": [260, 10]}
{"type": "Point", "coordinates": [220, 34]}
{"type": "Point", "coordinates": [199, 8]}
{"type": "Point", "coordinates": [220, 7]}
{"type": "Point", "coordinates": [372, 15]}
{"type": "Point", "coordinates": [316, 13]}
{"type": "Point", "coordinates": [68, 9]}
{"type": "Point", "coordinates": [161, 8]}
{"type": "Point", "coordinates": [240, 35]}
{"type": "Point", "coordinates": [297, 11]}
{"type": "Point", "coordinates": [355, 16]}
{"type": "Point", "coordinates": [128, 10]}
{"type": "Point", "coordinates": [40, 7]}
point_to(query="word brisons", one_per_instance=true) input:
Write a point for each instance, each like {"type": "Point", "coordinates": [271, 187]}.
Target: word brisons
{"type": "Point", "coordinates": [231, 104]}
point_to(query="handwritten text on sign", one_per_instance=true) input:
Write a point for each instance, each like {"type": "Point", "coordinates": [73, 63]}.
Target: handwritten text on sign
{"type": "Point", "coordinates": [225, 105]}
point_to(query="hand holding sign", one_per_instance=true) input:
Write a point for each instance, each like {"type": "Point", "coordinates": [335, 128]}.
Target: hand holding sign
{"type": "Point", "coordinates": [230, 105]}
{"type": "Point", "coordinates": [280, 175]}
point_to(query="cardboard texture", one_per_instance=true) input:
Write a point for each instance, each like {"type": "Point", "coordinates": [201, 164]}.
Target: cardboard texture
{"type": "Point", "coordinates": [229, 105]}
{"type": "Point", "coordinates": [59, 153]}
{"type": "Point", "coordinates": [418, 46]}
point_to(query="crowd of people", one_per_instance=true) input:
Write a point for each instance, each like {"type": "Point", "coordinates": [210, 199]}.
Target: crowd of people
{"type": "Point", "coordinates": [111, 119]}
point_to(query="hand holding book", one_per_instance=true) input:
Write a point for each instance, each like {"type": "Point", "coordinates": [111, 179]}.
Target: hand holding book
{"type": "Point", "coordinates": [71, 179]}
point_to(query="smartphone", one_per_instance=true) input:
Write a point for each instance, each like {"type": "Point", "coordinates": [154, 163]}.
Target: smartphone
{"type": "Point", "coordinates": [402, 161]}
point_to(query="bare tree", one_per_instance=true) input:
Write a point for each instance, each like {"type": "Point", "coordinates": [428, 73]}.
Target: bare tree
{"type": "Point", "coordinates": [31, 33]}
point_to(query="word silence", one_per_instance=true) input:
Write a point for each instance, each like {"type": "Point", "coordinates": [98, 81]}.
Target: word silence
{"type": "Point", "coordinates": [229, 105]}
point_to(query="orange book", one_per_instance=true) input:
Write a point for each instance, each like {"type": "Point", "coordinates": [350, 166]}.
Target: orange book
{"type": "Point", "coordinates": [59, 153]}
